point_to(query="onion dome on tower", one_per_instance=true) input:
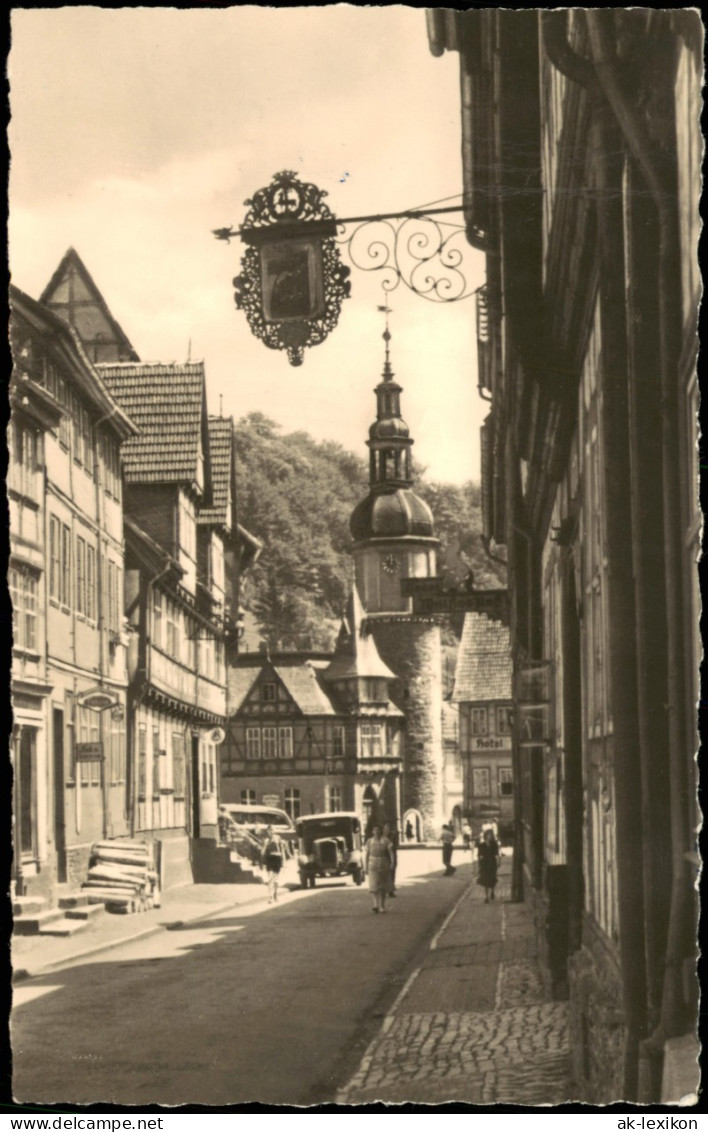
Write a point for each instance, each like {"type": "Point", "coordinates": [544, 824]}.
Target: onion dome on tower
{"type": "Point", "coordinates": [392, 528]}
{"type": "Point", "coordinates": [391, 509]}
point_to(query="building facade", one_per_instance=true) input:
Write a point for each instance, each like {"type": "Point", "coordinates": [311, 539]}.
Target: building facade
{"type": "Point", "coordinates": [176, 600]}
{"type": "Point", "coordinates": [394, 540]}
{"type": "Point", "coordinates": [581, 148]}
{"type": "Point", "coordinates": [318, 732]}
{"type": "Point", "coordinates": [483, 693]}
{"type": "Point", "coordinates": [66, 579]}
{"type": "Point", "coordinates": [185, 552]}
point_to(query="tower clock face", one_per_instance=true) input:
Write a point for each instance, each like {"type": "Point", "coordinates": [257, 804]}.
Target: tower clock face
{"type": "Point", "coordinates": [390, 563]}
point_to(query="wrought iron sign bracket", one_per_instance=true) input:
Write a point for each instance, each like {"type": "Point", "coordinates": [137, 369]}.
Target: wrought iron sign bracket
{"type": "Point", "coordinates": [293, 282]}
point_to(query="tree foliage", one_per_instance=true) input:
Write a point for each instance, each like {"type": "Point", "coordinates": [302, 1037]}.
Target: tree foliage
{"type": "Point", "coordinates": [296, 495]}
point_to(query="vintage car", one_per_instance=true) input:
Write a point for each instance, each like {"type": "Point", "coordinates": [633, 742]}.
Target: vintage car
{"type": "Point", "coordinates": [247, 823]}
{"type": "Point", "coordinates": [329, 845]}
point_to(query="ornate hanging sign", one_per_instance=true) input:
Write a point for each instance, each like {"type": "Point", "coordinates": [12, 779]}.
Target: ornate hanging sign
{"type": "Point", "coordinates": [292, 282]}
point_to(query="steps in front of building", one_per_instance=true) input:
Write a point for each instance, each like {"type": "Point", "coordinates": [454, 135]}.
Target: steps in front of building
{"type": "Point", "coordinates": [72, 912]}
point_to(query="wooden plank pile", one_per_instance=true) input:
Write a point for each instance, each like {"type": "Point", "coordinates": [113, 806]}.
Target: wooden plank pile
{"type": "Point", "coordinates": [122, 876]}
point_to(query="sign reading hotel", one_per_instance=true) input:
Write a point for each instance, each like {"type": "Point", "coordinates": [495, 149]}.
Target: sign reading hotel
{"type": "Point", "coordinates": [429, 596]}
{"type": "Point", "coordinates": [490, 743]}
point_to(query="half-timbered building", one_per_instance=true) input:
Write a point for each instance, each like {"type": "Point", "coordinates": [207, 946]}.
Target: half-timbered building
{"type": "Point", "coordinates": [581, 154]}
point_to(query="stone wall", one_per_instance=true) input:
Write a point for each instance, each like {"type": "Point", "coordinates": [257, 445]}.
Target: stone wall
{"type": "Point", "coordinates": [597, 1031]}
{"type": "Point", "coordinates": [412, 650]}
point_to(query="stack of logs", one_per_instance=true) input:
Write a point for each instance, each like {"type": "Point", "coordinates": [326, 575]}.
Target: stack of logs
{"type": "Point", "coordinates": [122, 876]}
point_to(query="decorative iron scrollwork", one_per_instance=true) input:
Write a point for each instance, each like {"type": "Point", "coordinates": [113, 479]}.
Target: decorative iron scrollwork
{"type": "Point", "coordinates": [285, 199]}
{"type": "Point", "coordinates": [292, 283]}
{"type": "Point", "coordinates": [291, 294]}
{"type": "Point", "coordinates": [415, 251]}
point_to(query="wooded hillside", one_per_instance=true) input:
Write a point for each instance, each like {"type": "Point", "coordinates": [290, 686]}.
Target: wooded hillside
{"type": "Point", "coordinates": [296, 495]}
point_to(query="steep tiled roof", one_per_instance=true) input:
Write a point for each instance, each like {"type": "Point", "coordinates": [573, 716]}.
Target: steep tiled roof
{"type": "Point", "coordinates": [306, 690]}
{"type": "Point", "coordinates": [167, 402]}
{"type": "Point", "coordinates": [355, 653]}
{"type": "Point", "coordinates": [241, 680]}
{"type": "Point", "coordinates": [221, 439]}
{"type": "Point", "coordinates": [301, 679]}
{"type": "Point", "coordinates": [484, 667]}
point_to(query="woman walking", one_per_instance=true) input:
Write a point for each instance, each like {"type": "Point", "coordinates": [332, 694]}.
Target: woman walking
{"type": "Point", "coordinates": [272, 861]}
{"type": "Point", "coordinates": [390, 831]}
{"type": "Point", "coordinates": [378, 863]}
{"type": "Point", "coordinates": [488, 859]}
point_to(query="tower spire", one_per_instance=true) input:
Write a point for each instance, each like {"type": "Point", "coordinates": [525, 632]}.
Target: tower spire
{"type": "Point", "coordinates": [389, 440]}
{"type": "Point", "coordinates": [387, 371]}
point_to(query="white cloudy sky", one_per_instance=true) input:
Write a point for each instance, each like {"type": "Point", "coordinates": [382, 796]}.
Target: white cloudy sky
{"type": "Point", "coordinates": [136, 131]}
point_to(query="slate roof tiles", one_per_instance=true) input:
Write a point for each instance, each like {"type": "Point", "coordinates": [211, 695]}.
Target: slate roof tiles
{"type": "Point", "coordinates": [484, 668]}
{"type": "Point", "coordinates": [221, 440]}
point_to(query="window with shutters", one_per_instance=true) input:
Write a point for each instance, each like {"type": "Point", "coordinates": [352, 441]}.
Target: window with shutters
{"type": "Point", "coordinates": [178, 763]}
{"type": "Point", "coordinates": [91, 582]}
{"type": "Point", "coordinates": [80, 575]}
{"type": "Point", "coordinates": [156, 754]}
{"type": "Point", "coordinates": [142, 762]}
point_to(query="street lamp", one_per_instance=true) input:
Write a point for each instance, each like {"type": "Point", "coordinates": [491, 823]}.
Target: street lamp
{"type": "Point", "coordinates": [293, 282]}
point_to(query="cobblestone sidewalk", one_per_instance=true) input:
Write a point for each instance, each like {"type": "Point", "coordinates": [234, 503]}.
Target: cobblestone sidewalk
{"type": "Point", "coordinates": [472, 1025]}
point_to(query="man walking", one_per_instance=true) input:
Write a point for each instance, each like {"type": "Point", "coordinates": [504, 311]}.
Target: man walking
{"type": "Point", "coordinates": [448, 841]}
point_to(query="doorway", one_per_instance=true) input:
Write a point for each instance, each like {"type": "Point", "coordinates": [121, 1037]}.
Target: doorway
{"type": "Point", "coordinates": [27, 775]}
{"type": "Point", "coordinates": [196, 789]}
{"type": "Point", "coordinates": [59, 793]}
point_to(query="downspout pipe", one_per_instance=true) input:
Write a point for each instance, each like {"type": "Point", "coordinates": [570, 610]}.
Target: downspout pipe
{"type": "Point", "coordinates": [664, 193]}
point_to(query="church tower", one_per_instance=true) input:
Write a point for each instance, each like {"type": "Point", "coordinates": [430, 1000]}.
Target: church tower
{"type": "Point", "coordinates": [394, 539]}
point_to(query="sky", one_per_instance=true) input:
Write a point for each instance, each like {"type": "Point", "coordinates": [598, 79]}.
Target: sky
{"type": "Point", "coordinates": [135, 132]}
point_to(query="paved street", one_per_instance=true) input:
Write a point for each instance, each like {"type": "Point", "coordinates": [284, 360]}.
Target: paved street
{"type": "Point", "coordinates": [472, 1024]}
{"type": "Point", "coordinates": [272, 1004]}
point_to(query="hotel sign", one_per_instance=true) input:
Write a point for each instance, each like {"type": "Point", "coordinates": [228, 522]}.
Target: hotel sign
{"type": "Point", "coordinates": [486, 743]}
{"type": "Point", "coordinates": [431, 597]}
